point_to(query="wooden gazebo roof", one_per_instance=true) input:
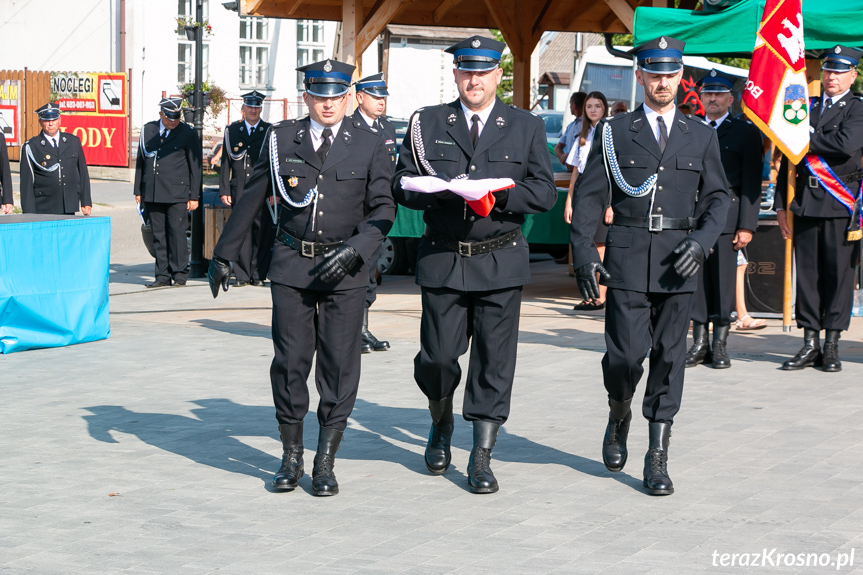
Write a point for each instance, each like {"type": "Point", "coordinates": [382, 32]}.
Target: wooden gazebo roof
{"type": "Point", "coordinates": [522, 22]}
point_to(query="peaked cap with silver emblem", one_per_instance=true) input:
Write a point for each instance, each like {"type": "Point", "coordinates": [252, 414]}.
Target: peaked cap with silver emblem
{"type": "Point", "coordinates": [663, 55]}
{"type": "Point", "coordinates": [327, 78]}
{"type": "Point", "coordinates": [716, 81]}
{"type": "Point", "coordinates": [476, 54]}
{"type": "Point", "coordinates": [373, 85]}
{"type": "Point", "coordinates": [171, 107]}
{"type": "Point", "coordinates": [253, 99]}
{"type": "Point", "coordinates": [49, 111]}
{"type": "Point", "coordinates": [841, 59]}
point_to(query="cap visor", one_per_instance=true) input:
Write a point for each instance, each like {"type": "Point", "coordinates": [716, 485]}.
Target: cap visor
{"type": "Point", "coordinates": [377, 92]}
{"type": "Point", "coordinates": [837, 67]}
{"type": "Point", "coordinates": [662, 67]}
{"type": "Point", "coordinates": [476, 66]}
{"type": "Point", "coordinates": [327, 90]}
{"type": "Point", "coordinates": [171, 115]}
{"type": "Point", "coordinates": [715, 89]}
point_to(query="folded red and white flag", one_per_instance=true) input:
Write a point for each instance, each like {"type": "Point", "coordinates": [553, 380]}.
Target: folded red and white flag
{"type": "Point", "coordinates": [477, 193]}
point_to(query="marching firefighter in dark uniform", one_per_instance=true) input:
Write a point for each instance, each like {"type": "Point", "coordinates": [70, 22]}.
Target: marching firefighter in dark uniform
{"type": "Point", "coordinates": [826, 244]}
{"type": "Point", "coordinates": [470, 267]}
{"type": "Point", "coordinates": [742, 158]}
{"type": "Point", "coordinates": [54, 176]}
{"type": "Point", "coordinates": [371, 103]}
{"type": "Point", "coordinates": [6, 204]}
{"type": "Point", "coordinates": [168, 182]}
{"type": "Point", "coordinates": [670, 201]}
{"type": "Point", "coordinates": [331, 183]}
{"type": "Point", "coordinates": [241, 148]}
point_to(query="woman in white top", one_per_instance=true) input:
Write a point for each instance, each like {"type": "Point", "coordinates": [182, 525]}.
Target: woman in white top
{"type": "Point", "coordinates": [595, 109]}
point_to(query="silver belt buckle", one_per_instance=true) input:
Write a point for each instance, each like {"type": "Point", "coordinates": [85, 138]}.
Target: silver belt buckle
{"type": "Point", "coordinates": [307, 249]}
{"type": "Point", "coordinates": [654, 223]}
{"type": "Point", "coordinates": [464, 249]}
{"type": "Point", "coordinates": [813, 182]}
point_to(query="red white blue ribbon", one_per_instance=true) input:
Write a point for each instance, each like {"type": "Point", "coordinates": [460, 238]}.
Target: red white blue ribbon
{"type": "Point", "coordinates": [828, 180]}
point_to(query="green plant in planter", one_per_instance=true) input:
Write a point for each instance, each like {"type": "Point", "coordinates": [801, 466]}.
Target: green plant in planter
{"type": "Point", "coordinates": [188, 23]}
{"type": "Point", "coordinates": [215, 97]}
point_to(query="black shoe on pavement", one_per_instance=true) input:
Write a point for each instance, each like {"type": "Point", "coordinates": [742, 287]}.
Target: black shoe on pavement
{"type": "Point", "coordinates": [480, 478]}
{"type": "Point", "coordinates": [809, 355]}
{"type": "Point", "coordinates": [700, 350]}
{"type": "Point", "coordinates": [291, 470]}
{"type": "Point", "coordinates": [656, 478]}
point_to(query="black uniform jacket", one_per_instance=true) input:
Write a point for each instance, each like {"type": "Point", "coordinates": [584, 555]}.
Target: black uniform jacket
{"type": "Point", "coordinates": [837, 136]}
{"type": "Point", "coordinates": [240, 153]}
{"type": "Point", "coordinates": [512, 145]}
{"type": "Point", "coordinates": [690, 172]}
{"type": "Point", "coordinates": [389, 133]}
{"type": "Point", "coordinates": [168, 172]}
{"type": "Point", "coordinates": [5, 174]}
{"type": "Point", "coordinates": [354, 201]}
{"type": "Point", "coordinates": [44, 191]}
{"type": "Point", "coordinates": [742, 159]}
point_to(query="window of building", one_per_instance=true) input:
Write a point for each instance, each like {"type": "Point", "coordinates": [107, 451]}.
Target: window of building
{"type": "Point", "coordinates": [254, 52]}
{"type": "Point", "coordinates": [186, 61]}
{"type": "Point", "coordinates": [310, 45]}
{"type": "Point", "coordinates": [186, 10]}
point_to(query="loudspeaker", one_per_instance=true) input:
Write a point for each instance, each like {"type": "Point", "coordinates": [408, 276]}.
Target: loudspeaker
{"type": "Point", "coordinates": [765, 272]}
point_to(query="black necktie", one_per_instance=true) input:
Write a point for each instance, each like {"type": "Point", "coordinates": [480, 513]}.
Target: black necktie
{"type": "Point", "coordinates": [378, 124]}
{"type": "Point", "coordinates": [325, 144]}
{"type": "Point", "coordinates": [663, 133]}
{"type": "Point", "coordinates": [713, 124]}
{"type": "Point", "coordinates": [251, 130]}
{"type": "Point", "coordinates": [162, 134]}
{"type": "Point", "coordinates": [474, 130]}
{"type": "Point", "coordinates": [829, 103]}
{"type": "Point", "coordinates": [53, 143]}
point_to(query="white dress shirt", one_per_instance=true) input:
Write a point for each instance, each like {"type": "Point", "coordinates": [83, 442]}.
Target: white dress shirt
{"type": "Point", "coordinates": [719, 121]}
{"type": "Point", "coordinates": [317, 131]}
{"type": "Point", "coordinates": [163, 131]}
{"type": "Point", "coordinates": [483, 116]}
{"type": "Point", "coordinates": [652, 115]}
{"type": "Point", "coordinates": [578, 155]}
{"type": "Point", "coordinates": [249, 127]}
{"type": "Point", "coordinates": [825, 98]}
{"type": "Point", "coordinates": [55, 139]}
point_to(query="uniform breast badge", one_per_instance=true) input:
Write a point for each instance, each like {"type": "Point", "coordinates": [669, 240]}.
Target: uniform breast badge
{"type": "Point", "coordinates": [293, 181]}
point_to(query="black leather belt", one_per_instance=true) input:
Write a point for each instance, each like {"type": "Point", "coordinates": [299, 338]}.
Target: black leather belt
{"type": "Point", "coordinates": [468, 249]}
{"type": "Point", "coordinates": [307, 249]}
{"type": "Point", "coordinates": [655, 223]}
{"type": "Point", "coordinates": [847, 179]}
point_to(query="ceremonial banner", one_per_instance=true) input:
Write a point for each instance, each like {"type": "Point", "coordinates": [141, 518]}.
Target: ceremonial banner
{"type": "Point", "coordinates": [776, 97]}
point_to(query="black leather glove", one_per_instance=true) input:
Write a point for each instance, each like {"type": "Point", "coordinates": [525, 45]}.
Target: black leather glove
{"type": "Point", "coordinates": [218, 274]}
{"type": "Point", "coordinates": [501, 197]}
{"type": "Point", "coordinates": [690, 259]}
{"type": "Point", "coordinates": [340, 262]}
{"type": "Point", "coordinates": [586, 278]}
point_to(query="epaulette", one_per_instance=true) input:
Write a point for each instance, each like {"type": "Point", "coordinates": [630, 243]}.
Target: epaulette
{"type": "Point", "coordinates": [285, 123]}
{"type": "Point", "coordinates": [699, 119]}
{"type": "Point", "coordinates": [522, 110]}
{"type": "Point", "coordinates": [363, 126]}
{"type": "Point", "coordinates": [617, 116]}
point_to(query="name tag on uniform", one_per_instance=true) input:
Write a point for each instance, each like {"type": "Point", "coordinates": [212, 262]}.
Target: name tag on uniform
{"type": "Point", "coordinates": [444, 143]}
{"type": "Point", "coordinates": [295, 161]}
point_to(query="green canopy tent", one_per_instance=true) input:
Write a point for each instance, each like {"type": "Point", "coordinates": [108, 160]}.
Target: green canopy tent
{"type": "Point", "coordinates": [731, 32]}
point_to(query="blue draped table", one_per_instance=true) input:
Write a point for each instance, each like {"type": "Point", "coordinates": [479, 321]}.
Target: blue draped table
{"type": "Point", "coordinates": [53, 280]}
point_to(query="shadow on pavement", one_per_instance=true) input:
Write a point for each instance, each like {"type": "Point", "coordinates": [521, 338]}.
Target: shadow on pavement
{"type": "Point", "coordinates": [397, 435]}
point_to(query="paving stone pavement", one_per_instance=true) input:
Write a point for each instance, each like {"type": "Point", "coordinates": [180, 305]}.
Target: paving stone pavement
{"type": "Point", "coordinates": [151, 453]}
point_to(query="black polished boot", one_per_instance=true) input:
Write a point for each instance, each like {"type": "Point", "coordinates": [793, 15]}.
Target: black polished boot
{"type": "Point", "coordinates": [720, 355]}
{"type": "Point", "coordinates": [830, 356]}
{"type": "Point", "coordinates": [809, 355]}
{"type": "Point", "coordinates": [291, 469]}
{"type": "Point", "coordinates": [480, 479]}
{"type": "Point", "coordinates": [369, 342]}
{"type": "Point", "coordinates": [323, 479]}
{"type": "Point", "coordinates": [656, 478]}
{"type": "Point", "coordinates": [700, 350]}
{"type": "Point", "coordinates": [614, 446]}
{"type": "Point", "coordinates": [437, 453]}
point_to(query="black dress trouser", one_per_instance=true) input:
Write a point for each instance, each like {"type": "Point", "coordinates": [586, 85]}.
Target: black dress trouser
{"type": "Point", "coordinates": [309, 321]}
{"type": "Point", "coordinates": [489, 321]}
{"type": "Point", "coordinates": [825, 273]}
{"type": "Point", "coordinates": [716, 293]}
{"type": "Point", "coordinates": [170, 223]}
{"type": "Point", "coordinates": [636, 323]}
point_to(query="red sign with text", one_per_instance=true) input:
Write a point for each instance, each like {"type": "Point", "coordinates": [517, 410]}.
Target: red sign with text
{"type": "Point", "coordinates": [104, 138]}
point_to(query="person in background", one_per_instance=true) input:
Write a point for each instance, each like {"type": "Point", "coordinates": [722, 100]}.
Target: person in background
{"type": "Point", "coordinates": [745, 322]}
{"type": "Point", "coordinates": [567, 139]}
{"type": "Point", "coordinates": [242, 145]}
{"type": "Point", "coordinates": [619, 107]}
{"type": "Point", "coordinates": [595, 109]}
{"type": "Point", "coordinates": [372, 96]}
{"type": "Point", "coordinates": [54, 176]}
{"type": "Point", "coordinates": [168, 181]}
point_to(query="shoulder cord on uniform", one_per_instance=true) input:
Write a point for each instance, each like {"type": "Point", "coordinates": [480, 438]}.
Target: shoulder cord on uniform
{"type": "Point", "coordinates": [311, 196]}
{"type": "Point", "coordinates": [419, 151]}
{"type": "Point", "coordinates": [227, 147]}
{"type": "Point", "coordinates": [33, 161]}
{"type": "Point", "coordinates": [144, 148]}
{"type": "Point", "coordinates": [648, 187]}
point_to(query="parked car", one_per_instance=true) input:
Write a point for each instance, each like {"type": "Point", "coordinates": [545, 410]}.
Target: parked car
{"type": "Point", "coordinates": [553, 124]}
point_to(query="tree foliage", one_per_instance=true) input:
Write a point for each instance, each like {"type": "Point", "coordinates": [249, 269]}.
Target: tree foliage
{"type": "Point", "coordinates": [504, 90]}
